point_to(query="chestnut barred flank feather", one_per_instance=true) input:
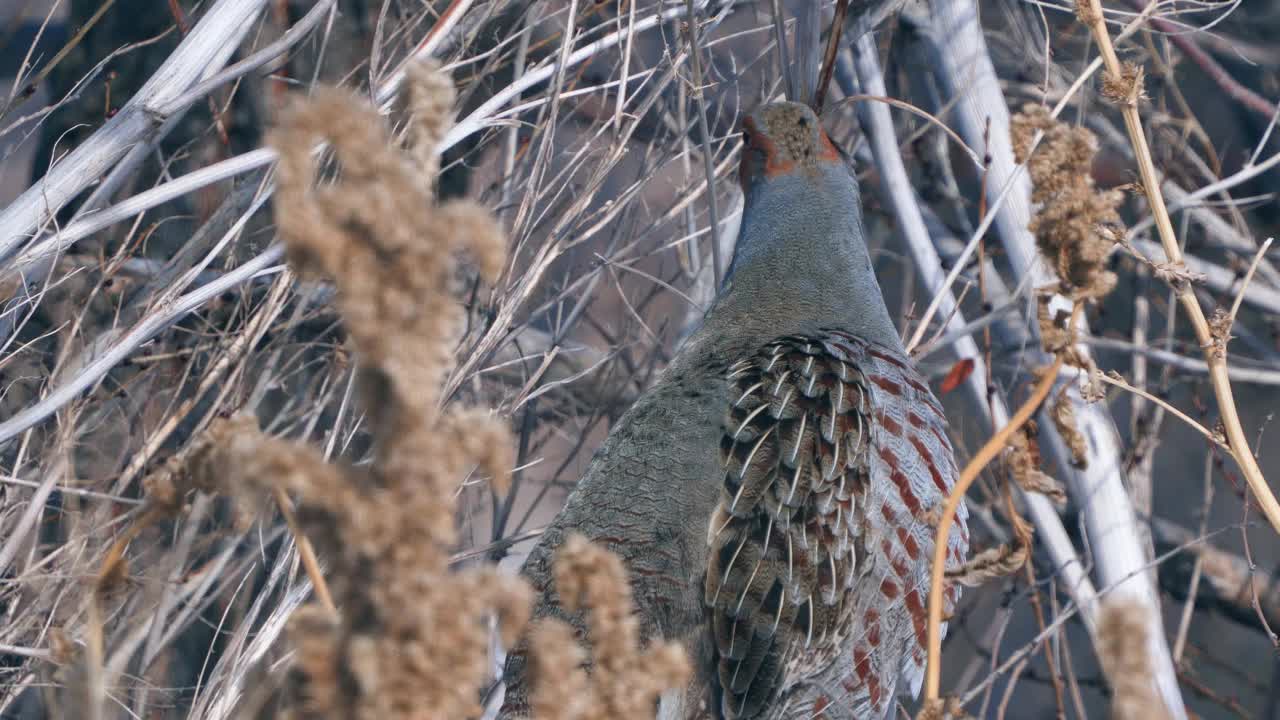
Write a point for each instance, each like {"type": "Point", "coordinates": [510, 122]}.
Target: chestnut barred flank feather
{"type": "Point", "coordinates": [834, 452]}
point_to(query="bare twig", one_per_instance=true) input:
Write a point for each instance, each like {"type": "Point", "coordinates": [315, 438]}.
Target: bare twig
{"type": "Point", "coordinates": [1216, 277]}
{"type": "Point", "coordinates": [829, 57]}
{"type": "Point", "coordinates": [1244, 284]}
{"type": "Point", "coordinates": [784, 54]}
{"type": "Point", "coordinates": [987, 453]}
{"type": "Point", "coordinates": [708, 162]}
{"type": "Point", "coordinates": [1123, 385]}
{"type": "Point", "coordinates": [305, 551]}
{"type": "Point", "coordinates": [1229, 581]}
{"type": "Point", "coordinates": [1186, 295]}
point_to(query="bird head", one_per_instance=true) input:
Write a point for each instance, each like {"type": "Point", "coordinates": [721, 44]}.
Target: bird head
{"type": "Point", "coordinates": [784, 139]}
{"type": "Point", "coordinates": [801, 260]}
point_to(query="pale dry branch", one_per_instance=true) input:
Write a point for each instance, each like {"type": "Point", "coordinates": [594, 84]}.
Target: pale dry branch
{"type": "Point", "coordinates": [900, 196]}
{"type": "Point", "coordinates": [204, 51]}
{"type": "Point", "coordinates": [1106, 508]}
{"type": "Point", "coordinates": [1217, 362]}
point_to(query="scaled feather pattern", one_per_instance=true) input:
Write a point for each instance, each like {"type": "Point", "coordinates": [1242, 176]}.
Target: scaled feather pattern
{"type": "Point", "coordinates": [835, 453]}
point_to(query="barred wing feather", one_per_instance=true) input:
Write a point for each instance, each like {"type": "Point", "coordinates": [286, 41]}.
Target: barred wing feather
{"type": "Point", "coordinates": [835, 456]}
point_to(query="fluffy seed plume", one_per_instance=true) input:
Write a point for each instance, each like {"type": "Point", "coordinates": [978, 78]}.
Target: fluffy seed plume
{"type": "Point", "coordinates": [625, 681]}
{"type": "Point", "coordinates": [1074, 226]}
{"type": "Point", "coordinates": [411, 637]}
{"type": "Point", "coordinates": [1122, 648]}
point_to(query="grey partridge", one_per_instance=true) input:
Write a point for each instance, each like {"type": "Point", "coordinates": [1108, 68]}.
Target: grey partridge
{"type": "Point", "coordinates": [774, 494]}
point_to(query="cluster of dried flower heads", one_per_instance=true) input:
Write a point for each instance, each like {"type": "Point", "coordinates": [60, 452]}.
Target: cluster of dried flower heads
{"type": "Point", "coordinates": [410, 637]}
{"type": "Point", "coordinates": [625, 681]}
{"type": "Point", "coordinates": [1076, 227]}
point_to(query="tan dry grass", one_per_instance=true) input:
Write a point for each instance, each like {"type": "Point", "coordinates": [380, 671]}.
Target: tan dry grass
{"type": "Point", "coordinates": [411, 638]}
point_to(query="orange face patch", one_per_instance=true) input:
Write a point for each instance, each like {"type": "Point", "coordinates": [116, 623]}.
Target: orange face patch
{"type": "Point", "coordinates": [782, 150]}
{"type": "Point", "coordinates": [775, 163]}
{"type": "Point", "coordinates": [828, 150]}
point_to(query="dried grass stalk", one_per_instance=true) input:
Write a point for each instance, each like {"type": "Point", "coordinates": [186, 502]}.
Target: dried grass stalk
{"type": "Point", "coordinates": [411, 638]}
{"type": "Point", "coordinates": [1212, 339]}
{"type": "Point", "coordinates": [1023, 461]}
{"type": "Point", "coordinates": [990, 564]}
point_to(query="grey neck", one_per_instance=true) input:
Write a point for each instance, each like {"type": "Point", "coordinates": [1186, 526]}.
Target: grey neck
{"type": "Point", "coordinates": [801, 264]}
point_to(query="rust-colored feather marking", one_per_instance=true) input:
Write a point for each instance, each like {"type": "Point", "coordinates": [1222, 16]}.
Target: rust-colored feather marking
{"type": "Point", "coordinates": [835, 453]}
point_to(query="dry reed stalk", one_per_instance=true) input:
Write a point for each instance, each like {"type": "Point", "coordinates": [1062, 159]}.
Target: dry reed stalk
{"type": "Point", "coordinates": [410, 638]}
{"type": "Point", "coordinates": [1124, 86]}
{"type": "Point", "coordinates": [990, 564]}
{"type": "Point", "coordinates": [1076, 226]}
{"type": "Point", "coordinates": [988, 452]}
